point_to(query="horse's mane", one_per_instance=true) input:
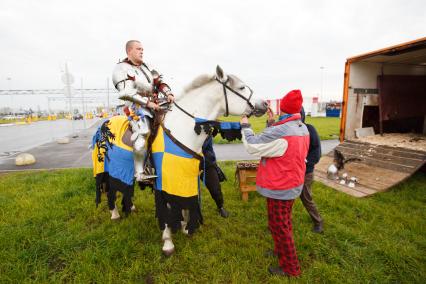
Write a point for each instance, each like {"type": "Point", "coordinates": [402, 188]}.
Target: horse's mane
{"type": "Point", "coordinates": [198, 82]}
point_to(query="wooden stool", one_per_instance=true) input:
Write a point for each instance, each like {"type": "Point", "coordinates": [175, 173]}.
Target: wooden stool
{"type": "Point", "coordinates": [245, 176]}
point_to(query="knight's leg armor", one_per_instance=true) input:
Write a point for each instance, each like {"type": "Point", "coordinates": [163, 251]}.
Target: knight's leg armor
{"type": "Point", "coordinates": [140, 129]}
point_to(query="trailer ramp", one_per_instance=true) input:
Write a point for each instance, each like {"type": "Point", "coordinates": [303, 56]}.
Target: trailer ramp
{"type": "Point", "coordinates": [380, 168]}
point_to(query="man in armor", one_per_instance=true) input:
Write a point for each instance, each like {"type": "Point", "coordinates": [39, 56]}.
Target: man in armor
{"type": "Point", "coordinates": [144, 92]}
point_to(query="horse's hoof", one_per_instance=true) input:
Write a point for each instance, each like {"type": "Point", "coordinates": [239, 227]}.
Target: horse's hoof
{"type": "Point", "coordinates": [168, 247]}
{"type": "Point", "coordinates": [168, 253]}
{"type": "Point", "coordinates": [185, 231]}
{"type": "Point", "coordinates": [114, 214]}
{"type": "Point", "coordinates": [133, 208]}
{"type": "Point", "coordinates": [183, 226]}
{"type": "Point", "coordinates": [113, 218]}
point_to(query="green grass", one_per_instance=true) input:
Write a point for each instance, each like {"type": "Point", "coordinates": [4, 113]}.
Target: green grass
{"type": "Point", "coordinates": [327, 127]}
{"type": "Point", "coordinates": [51, 231]}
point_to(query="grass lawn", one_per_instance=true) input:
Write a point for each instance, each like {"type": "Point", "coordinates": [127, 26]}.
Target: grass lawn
{"type": "Point", "coordinates": [327, 127]}
{"type": "Point", "coordinates": [51, 231]}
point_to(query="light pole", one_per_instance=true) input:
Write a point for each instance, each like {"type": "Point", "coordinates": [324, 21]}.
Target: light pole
{"type": "Point", "coordinates": [68, 80]}
{"type": "Point", "coordinates": [11, 95]}
{"type": "Point", "coordinates": [322, 71]}
{"type": "Point", "coordinates": [82, 104]}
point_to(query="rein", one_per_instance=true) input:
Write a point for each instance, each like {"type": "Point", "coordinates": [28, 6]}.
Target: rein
{"type": "Point", "coordinates": [184, 111]}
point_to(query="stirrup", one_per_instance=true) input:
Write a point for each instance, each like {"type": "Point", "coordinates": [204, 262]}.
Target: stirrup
{"type": "Point", "coordinates": [144, 177]}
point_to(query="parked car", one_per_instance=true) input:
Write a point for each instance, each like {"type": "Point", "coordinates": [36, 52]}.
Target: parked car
{"type": "Point", "coordinates": [77, 116]}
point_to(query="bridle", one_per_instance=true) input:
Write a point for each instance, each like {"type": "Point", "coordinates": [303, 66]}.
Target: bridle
{"type": "Point", "coordinates": [247, 100]}
{"type": "Point", "coordinates": [226, 87]}
{"type": "Point", "coordinates": [208, 124]}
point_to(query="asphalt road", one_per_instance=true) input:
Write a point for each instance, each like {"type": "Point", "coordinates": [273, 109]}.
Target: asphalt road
{"type": "Point", "coordinates": [76, 154]}
{"type": "Point", "coordinates": [18, 138]}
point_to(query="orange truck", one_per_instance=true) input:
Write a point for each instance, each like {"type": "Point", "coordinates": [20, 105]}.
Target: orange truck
{"type": "Point", "coordinates": [383, 122]}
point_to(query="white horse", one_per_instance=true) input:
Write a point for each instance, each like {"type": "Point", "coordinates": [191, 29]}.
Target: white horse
{"type": "Point", "coordinates": [207, 97]}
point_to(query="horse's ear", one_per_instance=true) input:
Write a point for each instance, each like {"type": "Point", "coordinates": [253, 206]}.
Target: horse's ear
{"type": "Point", "coordinates": [220, 74]}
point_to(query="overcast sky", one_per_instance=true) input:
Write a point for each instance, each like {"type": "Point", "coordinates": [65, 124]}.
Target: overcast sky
{"type": "Point", "coordinates": [274, 46]}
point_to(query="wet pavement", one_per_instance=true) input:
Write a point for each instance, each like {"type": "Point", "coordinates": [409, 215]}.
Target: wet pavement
{"type": "Point", "coordinates": [23, 137]}
{"type": "Point", "coordinates": [76, 154]}
{"type": "Point", "coordinates": [53, 155]}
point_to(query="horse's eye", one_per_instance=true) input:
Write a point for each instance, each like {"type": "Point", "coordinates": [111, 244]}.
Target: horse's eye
{"type": "Point", "coordinates": [242, 88]}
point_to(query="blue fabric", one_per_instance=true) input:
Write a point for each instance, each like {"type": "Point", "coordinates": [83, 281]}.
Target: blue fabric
{"type": "Point", "coordinates": [140, 113]}
{"type": "Point", "coordinates": [120, 164]}
{"type": "Point", "coordinates": [284, 116]}
{"type": "Point", "coordinates": [199, 120]}
{"type": "Point", "coordinates": [158, 162]}
{"type": "Point", "coordinates": [230, 125]}
{"type": "Point", "coordinates": [174, 149]}
{"type": "Point", "coordinates": [96, 137]}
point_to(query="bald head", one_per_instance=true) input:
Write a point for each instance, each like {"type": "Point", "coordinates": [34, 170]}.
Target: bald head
{"type": "Point", "coordinates": [134, 51]}
{"type": "Point", "coordinates": [130, 44]}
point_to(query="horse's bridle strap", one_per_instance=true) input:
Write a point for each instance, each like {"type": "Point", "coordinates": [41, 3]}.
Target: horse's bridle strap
{"type": "Point", "coordinates": [247, 100]}
{"type": "Point", "coordinates": [225, 86]}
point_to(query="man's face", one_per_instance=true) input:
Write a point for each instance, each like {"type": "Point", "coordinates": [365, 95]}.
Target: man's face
{"type": "Point", "coordinates": [135, 54]}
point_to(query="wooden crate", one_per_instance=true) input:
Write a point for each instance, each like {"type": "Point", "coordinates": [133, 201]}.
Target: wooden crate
{"type": "Point", "coordinates": [245, 176]}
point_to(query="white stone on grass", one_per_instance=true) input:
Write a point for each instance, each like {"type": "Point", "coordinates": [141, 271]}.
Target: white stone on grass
{"type": "Point", "coordinates": [63, 140]}
{"type": "Point", "coordinates": [24, 159]}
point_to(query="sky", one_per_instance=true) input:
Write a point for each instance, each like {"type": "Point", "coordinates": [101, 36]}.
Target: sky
{"type": "Point", "coordinates": [274, 46]}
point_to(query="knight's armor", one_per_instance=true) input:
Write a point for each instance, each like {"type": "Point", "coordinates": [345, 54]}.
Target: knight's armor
{"type": "Point", "coordinates": [137, 86]}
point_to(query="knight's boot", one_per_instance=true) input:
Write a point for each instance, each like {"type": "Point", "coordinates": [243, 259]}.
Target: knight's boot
{"type": "Point", "coordinates": [139, 159]}
{"type": "Point", "coordinates": [139, 137]}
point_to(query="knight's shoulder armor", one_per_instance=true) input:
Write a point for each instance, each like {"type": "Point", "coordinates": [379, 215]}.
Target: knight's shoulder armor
{"type": "Point", "coordinates": [122, 72]}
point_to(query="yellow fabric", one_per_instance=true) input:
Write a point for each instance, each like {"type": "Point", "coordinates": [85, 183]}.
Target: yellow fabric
{"type": "Point", "coordinates": [178, 174]}
{"type": "Point", "coordinates": [118, 126]}
{"type": "Point", "coordinates": [98, 167]}
{"type": "Point", "coordinates": [158, 144]}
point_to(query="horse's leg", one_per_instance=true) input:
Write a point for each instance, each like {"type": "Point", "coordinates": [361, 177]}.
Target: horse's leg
{"type": "Point", "coordinates": [185, 215]}
{"type": "Point", "coordinates": [112, 193]}
{"type": "Point", "coordinates": [126, 201]}
{"type": "Point", "coordinates": [168, 246]}
{"type": "Point", "coordinates": [132, 193]}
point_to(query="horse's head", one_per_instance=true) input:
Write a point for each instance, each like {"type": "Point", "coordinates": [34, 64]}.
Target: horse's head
{"type": "Point", "coordinates": [237, 97]}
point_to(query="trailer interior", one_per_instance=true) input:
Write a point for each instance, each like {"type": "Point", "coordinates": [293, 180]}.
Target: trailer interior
{"type": "Point", "coordinates": [383, 121]}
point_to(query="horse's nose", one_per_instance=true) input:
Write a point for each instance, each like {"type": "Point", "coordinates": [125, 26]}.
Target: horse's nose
{"type": "Point", "coordinates": [265, 104]}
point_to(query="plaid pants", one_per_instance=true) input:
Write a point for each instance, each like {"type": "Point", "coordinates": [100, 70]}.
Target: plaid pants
{"type": "Point", "coordinates": [279, 221]}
